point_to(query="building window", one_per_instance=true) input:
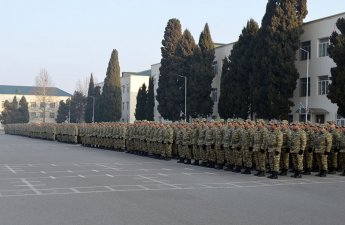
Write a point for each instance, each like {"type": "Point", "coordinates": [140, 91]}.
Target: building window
{"type": "Point", "coordinates": [340, 121]}
{"type": "Point", "coordinates": [214, 94]}
{"type": "Point", "coordinates": [303, 87]}
{"type": "Point", "coordinates": [52, 115]}
{"type": "Point", "coordinates": [123, 105]}
{"type": "Point", "coordinates": [52, 105]}
{"type": "Point", "coordinates": [290, 118]}
{"type": "Point", "coordinates": [127, 88]}
{"type": "Point", "coordinates": [307, 47]}
{"type": "Point", "coordinates": [33, 105]}
{"type": "Point", "coordinates": [123, 89]}
{"type": "Point", "coordinates": [33, 115]}
{"type": "Point", "coordinates": [215, 67]}
{"type": "Point", "coordinates": [41, 115]}
{"type": "Point", "coordinates": [320, 118]}
{"type": "Point", "coordinates": [302, 117]}
{"type": "Point", "coordinates": [323, 85]}
{"type": "Point", "coordinates": [2, 104]}
{"type": "Point", "coordinates": [127, 105]}
{"type": "Point", "coordinates": [323, 46]}
{"type": "Point", "coordinates": [42, 105]}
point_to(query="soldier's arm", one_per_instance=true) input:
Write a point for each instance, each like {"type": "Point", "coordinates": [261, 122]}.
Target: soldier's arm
{"type": "Point", "coordinates": [303, 141]}
{"type": "Point", "coordinates": [328, 142]}
{"type": "Point", "coordinates": [279, 141]}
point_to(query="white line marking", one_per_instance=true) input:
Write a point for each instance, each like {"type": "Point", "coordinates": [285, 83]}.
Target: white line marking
{"type": "Point", "coordinates": [69, 171]}
{"type": "Point", "coordinates": [160, 182]}
{"type": "Point", "coordinates": [43, 172]}
{"type": "Point", "coordinates": [74, 190]}
{"type": "Point", "coordinates": [143, 187]}
{"type": "Point", "coordinates": [10, 169]}
{"type": "Point", "coordinates": [37, 192]}
{"type": "Point", "coordinates": [109, 188]}
{"type": "Point", "coordinates": [52, 164]}
{"type": "Point", "coordinates": [162, 174]}
{"type": "Point", "coordinates": [109, 175]}
{"type": "Point", "coordinates": [95, 171]}
{"type": "Point", "coordinates": [79, 175]}
{"type": "Point", "coordinates": [52, 177]}
{"type": "Point", "coordinates": [188, 174]}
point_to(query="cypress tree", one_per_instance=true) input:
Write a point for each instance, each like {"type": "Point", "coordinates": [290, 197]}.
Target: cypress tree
{"type": "Point", "coordinates": [237, 73]}
{"type": "Point", "coordinates": [89, 101]}
{"type": "Point", "coordinates": [97, 93]}
{"type": "Point", "coordinates": [62, 113]}
{"type": "Point", "coordinates": [276, 45]}
{"type": "Point", "coordinates": [202, 73]}
{"type": "Point", "coordinates": [168, 91]}
{"type": "Point", "coordinates": [6, 114]}
{"type": "Point", "coordinates": [111, 94]}
{"type": "Point", "coordinates": [141, 103]}
{"type": "Point", "coordinates": [23, 111]}
{"type": "Point", "coordinates": [150, 102]}
{"type": "Point", "coordinates": [78, 102]}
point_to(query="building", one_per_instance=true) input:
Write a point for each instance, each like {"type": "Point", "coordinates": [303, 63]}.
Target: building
{"type": "Point", "coordinates": [314, 40]}
{"type": "Point", "coordinates": [34, 97]}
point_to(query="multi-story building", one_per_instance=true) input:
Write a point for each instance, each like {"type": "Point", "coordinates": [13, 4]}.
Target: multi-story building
{"type": "Point", "coordinates": [314, 40]}
{"type": "Point", "coordinates": [36, 100]}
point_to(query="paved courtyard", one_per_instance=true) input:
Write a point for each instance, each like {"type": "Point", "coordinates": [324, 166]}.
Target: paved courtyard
{"type": "Point", "coordinates": [43, 182]}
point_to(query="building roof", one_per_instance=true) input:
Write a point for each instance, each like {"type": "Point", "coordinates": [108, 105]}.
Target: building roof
{"type": "Point", "coordinates": [31, 90]}
{"type": "Point", "coordinates": [325, 18]}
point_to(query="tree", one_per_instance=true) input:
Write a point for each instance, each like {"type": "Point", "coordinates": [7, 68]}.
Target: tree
{"type": "Point", "coordinates": [90, 101]}
{"type": "Point", "coordinates": [97, 94]}
{"type": "Point", "coordinates": [78, 102]}
{"type": "Point", "coordinates": [140, 113]}
{"type": "Point", "coordinates": [336, 51]}
{"type": "Point", "coordinates": [62, 113]}
{"type": "Point", "coordinates": [111, 95]}
{"type": "Point", "coordinates": [43, 91]}
{"type": "Point", "coordinates": [275, 73]}
{"type": "Point", "coordinates": [168, 91]}
{"type": "Point", "coordinates": [150, 101]}
{"type": "Point", "coordinates": [235, 98]}
{"type": "Point", "coordinates": [23, 111]}
{"type": "Point", "coordinates": [201, 76]}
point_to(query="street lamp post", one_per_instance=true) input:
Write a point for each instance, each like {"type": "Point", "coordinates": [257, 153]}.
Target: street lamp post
{"type": "Point", "coordinates": [93, 109]}
{"type": "Point", "coordinates": [307, 92]}
{"type": "Point", "coordinates": [185, 97]}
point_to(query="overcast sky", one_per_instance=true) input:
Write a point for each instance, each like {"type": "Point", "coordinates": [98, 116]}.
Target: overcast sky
{"type": "Point", "coordinates": [73, 38]}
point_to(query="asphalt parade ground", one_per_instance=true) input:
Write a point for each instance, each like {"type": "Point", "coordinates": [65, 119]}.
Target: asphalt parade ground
{"type": "Point", "coordinates": [51, 183]}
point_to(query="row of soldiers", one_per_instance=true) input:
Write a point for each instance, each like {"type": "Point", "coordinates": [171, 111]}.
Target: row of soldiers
{"type": "Point", "coordinates": [235, 145]}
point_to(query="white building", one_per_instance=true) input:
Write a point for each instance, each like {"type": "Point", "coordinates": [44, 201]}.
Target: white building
{"type": "Point", "coordinates": [315, 39]}
{"type": "Point", "coordinates": [35, 101]}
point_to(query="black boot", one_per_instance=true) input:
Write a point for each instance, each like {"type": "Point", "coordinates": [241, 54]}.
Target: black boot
{"type": "Point", "coordinates": [283, 172]}
{"type": "Point", "coordinates": [332, 171]}
{"type": "Point", "coordinates": [218, 166]}
{"type": "Point", "coordinates": [343, 173]}
{"type": "Point", "coordinates": [204, 164]}
{"type": "Point", "coordinates": [188, 161]}
{"type": "Point", "coordinates": [196, 163]}
{"type": "Point", "coordinates": [322, 173]}
{"type": "Point", "coordinates": [247, 171]}
{"type": "Point", "coordinates": [229, 168]}
{"type": "Point", "coordinates": [237, 169]}
{"type": "Point", "coordinates": [297, 174]}
{"type": "Point", "coordinates": [262, 174]}
{"type": "Point", "coordinates": [181, 160]}
{"type": "Point", "coordinates": [307, 171]}
{"type": "Point", "coordinates": [274, 175]}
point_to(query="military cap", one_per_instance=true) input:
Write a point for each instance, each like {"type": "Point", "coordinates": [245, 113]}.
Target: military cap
{"type": "Point", "coordinates": [260, 121]}
{"type": "Point", "coordinates": [285, 122]}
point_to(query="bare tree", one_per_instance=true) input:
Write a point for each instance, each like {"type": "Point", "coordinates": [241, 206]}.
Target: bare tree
{"type": "Point", "coordinates": [82, 85]}
{"type": "Point", "coordinates": [43, 90]}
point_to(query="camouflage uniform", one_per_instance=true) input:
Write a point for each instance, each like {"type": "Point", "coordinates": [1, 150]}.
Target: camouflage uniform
{"type": "Point", "coordinates": [323, 145]}
{"type": "Point", "coordinates": [247, 139]}
{"type": "Point", "coordinates": [298, 144]}
{"type": "Point", "coordinates": [210, 141]}
{"type": "Point", "coordinates": [218, 147]}
{"type": "Point", "coordinates": [333, 157]}
{"type": "Point", "coordinates": [236, 148]}
{"type": "Point", "coordinates": [274, 144]}
{"type": "Point", "coordinates": [309, 152]}
{"type": "Point", "coordinates": [260, 146]}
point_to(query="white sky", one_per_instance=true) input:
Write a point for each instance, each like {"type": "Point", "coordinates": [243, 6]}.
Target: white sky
{"type": "Point", "coordinates": [74, 38]}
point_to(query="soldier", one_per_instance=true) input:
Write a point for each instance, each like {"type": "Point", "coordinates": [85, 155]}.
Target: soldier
{"type": "Point", "coordinates": [298, 144]}
{"type": "Point", "coordinates": [195, 137]}
{"type": "Point", "coordinates": [285, 153]}
{"type": "Point", "coordinates": [260, 146]}
{"type": "Point", "coordinates": [236, 146]}
{"type": "Point", "coordinates": [333, 157]}
{"type": "Point", "coordinates": [227, 133]}
{"type": "Point", "coordinates": [219, 149]}
{"type": "Point", "coordinates": [179, 142]}
{"type": "Point", "coordinates": [210, 141]}
{"type": "Point", "coordinates": [309, 152]}
{"type": "Point", "coordinates": [323, 145]}
{"type": "Point", "coordinates": [274, 145]}
{"type": "Point", "coordinates": [247, 137]}
{"type": "Point", "coordinates": [342, 151]}
{"type": "Point", "coordinates": [201, 142]}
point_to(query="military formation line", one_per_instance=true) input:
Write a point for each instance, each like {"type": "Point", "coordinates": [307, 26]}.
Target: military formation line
{"type": "Point", "coordinates": [274, 147]}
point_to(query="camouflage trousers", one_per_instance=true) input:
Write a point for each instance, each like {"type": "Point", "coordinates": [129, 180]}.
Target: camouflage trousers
{"type": "Point", "coordinates": [322, 161]}
{"type": "Point", "coordinates": [180, 151]}
{"type": "Point", "coordinates": [333, 159]}
{"type": "Point", "coordinates": [196, 152]}
{"type": "Point", "coordinates": [274, 157]}
{"type": "Point", "coordinates": [220, 155]}
{"type": "Point", "coordinates": [229, 155]}
{"type": "Point", "coordinates": [210, 153]}
{"type": "Point", "coordinates": [248, 158]}
{"type": "Point", "coordinates": [188, 151]}
{"type": "Point", "coordinates": [341, 160]}
{"type": "Point", "coordinates": [285, 157]}
{"type": "Point", "coordinates": [308, 158]}
{"type": "Point", "coordinates": [238, 156]}
{"type": "Point", "coordinates": [174, 150]}
{"type": "Point", "coordinates": [261, 166]}
{"type": "Point", "coordinates": [202, 153]}
{"type": "Point", "coordinates": [166, 150]}
{"type": "Point", "coordinates": [297, 161]}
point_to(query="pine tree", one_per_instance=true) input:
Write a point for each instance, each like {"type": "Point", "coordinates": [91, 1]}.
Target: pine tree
{"type": "Point", "coordinates": [275, 52]}
{"type": "Point", "coordinates": [140, 113]}
{"type": "Point", "coordinates": [23, 111]}
{"type": "Point", "coordinates": [6, 114]}
{"type": "Point", "coordinates": [168, 91]}
{"type": "Point", "coordinates": [150, 101]}
{"type": "Point", "coordinates": [337, 53]}
{"type": "Point", "coordinates": [78, 102]}
{"type": "Point", "coordinates": [62, 113]}
{"type": "Point", "coordinates": [202, 73]}
{"type": "Point", "coordinates": [89, 101]}
{"type": "Point", "coordinates": [237, 73]}
{"type": "Point", "coordinates": [97, 93]}
{"type": "Point", "coordinates": [111, 99]}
